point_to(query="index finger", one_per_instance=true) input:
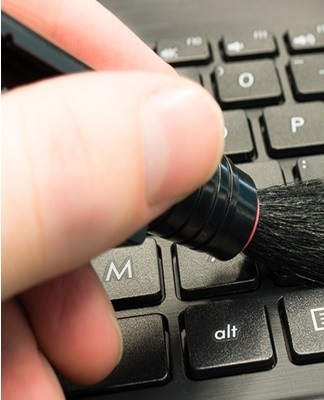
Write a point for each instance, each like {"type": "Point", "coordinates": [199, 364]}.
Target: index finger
{"type": "Point", "coordinates": [89, 32]}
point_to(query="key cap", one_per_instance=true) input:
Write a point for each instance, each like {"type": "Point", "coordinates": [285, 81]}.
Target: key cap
{"type": "Point", "coordinates": [238, 139]}
{"type": "Point", "coordinates": [311, 167]}
{"type": "Point", "coordinates": [189, 50]}
{"type": "Point", "coordinates": [303, 317]}
{"type": "Point", "coordinates": [145, 360]}
{"type": "Point", "coordinates": [307, 74]}
{"type": "Point", "coordinates": [306, 38]}
{"type": "Point", "coordinates": [247, 84]}
{"type": "Point", "coordinates": [131, 276]}
{"type": "Point", "coordinates": [190, 73]}
{"type": "Point", "coordinates": [200, 275]}
{"type": "Point", "coordinates": [225, 338]}
{"type": "Point", "coordinates": [253, 44]}
{"type": "Point", "coordinates": [264, 174]}
{"type": "Point", "coordinates": [295, 130]}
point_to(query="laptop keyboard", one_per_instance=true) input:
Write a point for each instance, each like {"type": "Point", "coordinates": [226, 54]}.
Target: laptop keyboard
{"type": "Point", "coordinates": [195, 327]}
{"type": "Point", "coordinates": [187, 318]}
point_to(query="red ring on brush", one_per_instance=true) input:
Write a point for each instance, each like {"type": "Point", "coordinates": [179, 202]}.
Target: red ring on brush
{"type": "Point", "coordinates": [256, 221]}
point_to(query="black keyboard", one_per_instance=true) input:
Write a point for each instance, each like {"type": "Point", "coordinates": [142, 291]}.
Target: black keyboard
{"type": "Point", "coordinates": [195, 327]}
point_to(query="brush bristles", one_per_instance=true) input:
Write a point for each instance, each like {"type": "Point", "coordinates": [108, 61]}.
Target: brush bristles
{"type": "Point", "coordinates": [290, 234]}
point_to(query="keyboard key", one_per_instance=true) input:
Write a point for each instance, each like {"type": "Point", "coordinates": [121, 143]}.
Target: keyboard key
{"type": "Point", "coordinates": [189, 50]}
{"type": "Point", "coordinates": [311, 167]}
{"type": "Point", "coordinates": [307, 75]}
{"type": "Point", "coordinates": [238, 139]}
{"type": "Point", "coordinates": [303, 317]}
{"type": "Point", "coordinates": [190, 73]}
{"type": "Point", "coordinates": [253, 44]}
{"type": "Point", "coordinates": [306, 38]}
{"type": "Point", "coordinates": [247, 84]}
{"type": "Point", "coordinates": [264, 174]}
{"type": "Point", "coordinates": [227, 337]}
{"type": "Point", "coordinates": [145, 360]}
{"type": "Point", "coordinates": [132, 275]}
{"type": "Point", "coordinates": [200, 275]}
{"type": "Point", "coordinates": [295, 130]}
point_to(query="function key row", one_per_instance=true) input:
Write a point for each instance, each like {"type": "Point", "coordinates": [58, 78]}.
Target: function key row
{"type": "Point", "coordinates": [241, 45]}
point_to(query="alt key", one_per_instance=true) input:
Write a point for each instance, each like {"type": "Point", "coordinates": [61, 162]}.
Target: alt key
{"type": "Point", "coordinates": [226, 338]}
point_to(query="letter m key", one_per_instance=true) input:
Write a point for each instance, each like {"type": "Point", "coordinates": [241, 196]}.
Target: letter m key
{"type": "Point", "coordinates": [125, 270]}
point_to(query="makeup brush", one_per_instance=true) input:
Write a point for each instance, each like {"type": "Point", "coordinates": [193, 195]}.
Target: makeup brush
{"type": "Point", "coordinates": [281, 227]}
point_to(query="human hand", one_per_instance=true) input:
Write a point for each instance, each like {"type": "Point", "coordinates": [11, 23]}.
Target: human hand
{"type": "Point", "coordinates": [87, 160]}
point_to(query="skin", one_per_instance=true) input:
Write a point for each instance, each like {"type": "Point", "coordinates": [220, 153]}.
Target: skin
{"type": "Point", "coordinates": [87, 160]}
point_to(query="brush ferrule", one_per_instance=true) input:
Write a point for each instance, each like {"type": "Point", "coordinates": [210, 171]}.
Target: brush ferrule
{"type": "Point", "coordinates": [219, 218]}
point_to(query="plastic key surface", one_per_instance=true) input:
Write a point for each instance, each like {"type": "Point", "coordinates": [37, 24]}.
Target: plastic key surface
{"type": "Point", "coordinates": [247, 84]}
{"type": "Point", "coordinates": [295, 130]}
{"type": "Point", "coordinates": [200, 275]}
{"type": "Point", "coordinates": [308, 76]}
{"type": "Point", "coordinates": [311, 167]}
{"type": "Point", "coordinates": [225, 338]}
{"type": "Point", "coordinates": [188, 50]}
{"type": "Point", "coordinates": [308, 38]}
{"type": "Point", "coordinates": [303, 317]}
{"type": "Point", "coordinates": [252, 44]}
{"type": "Point", "coordinates": [145, 360]}
{"type": "Point", "coordinates": [238, 137]}
{"type": "Point", "coordinates": [190, 73]}
{"type": "Point", "coordinates": [132, 275]}
{"type": "Point", "coordinates": [264, 174]}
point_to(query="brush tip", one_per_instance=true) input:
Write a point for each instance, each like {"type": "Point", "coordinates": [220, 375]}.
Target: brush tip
{"type": "Point", "coordinates": [289, 237]}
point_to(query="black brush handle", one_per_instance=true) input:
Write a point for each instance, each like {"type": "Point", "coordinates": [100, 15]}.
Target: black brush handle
{"type": "Point", "coordinates": [219, 218]}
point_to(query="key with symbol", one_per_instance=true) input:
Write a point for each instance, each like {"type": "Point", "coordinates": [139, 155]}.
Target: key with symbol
{"type": "Point", "coordinates": [311, 167]}
{"type": "Point", "coordinates": [247, 84]}
{"type": "Point", "coordinates": [294, 130]}
{"type": "Point", "coordinates": [131, 276]}
{"type": "Point", "coordinates": [307, 73]}
{"type": "Point", "coordinates": [306, 39]}
{"type": "Point", "coordinates": [253, 44]}
{"type": "Point", "coordinates": [187, 51]}
{"type": "Point", "coordinates": [225, 338]}
{"type": "Point", "coordinates": [303, 318]}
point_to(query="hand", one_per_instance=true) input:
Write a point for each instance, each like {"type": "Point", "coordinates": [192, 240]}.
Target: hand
{"type": "Point", "coordinates": [87, 160]}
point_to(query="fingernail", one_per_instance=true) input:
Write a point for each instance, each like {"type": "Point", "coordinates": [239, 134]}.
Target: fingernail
{"type": "Point", "coordinates": [183, 141]}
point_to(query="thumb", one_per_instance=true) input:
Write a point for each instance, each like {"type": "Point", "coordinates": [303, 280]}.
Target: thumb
{"type": "Point", "coordinates": [88, 159]}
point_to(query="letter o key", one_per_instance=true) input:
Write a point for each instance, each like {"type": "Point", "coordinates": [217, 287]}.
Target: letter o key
{"type": "Point", "coordinates": [246, 80]}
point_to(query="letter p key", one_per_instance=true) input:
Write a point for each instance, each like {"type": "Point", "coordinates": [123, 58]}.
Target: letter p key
{"type": "Point", "coordinates": [295, 123]}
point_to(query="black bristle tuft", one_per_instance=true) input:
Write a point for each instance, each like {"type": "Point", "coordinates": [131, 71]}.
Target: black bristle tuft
{"type": "Point", "coordinates": [290, 234]}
